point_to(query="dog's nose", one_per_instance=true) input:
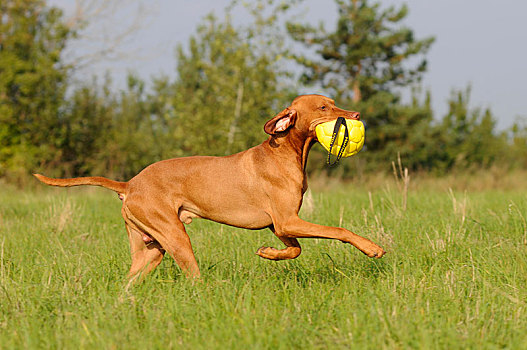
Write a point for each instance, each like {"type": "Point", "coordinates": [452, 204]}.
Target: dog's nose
{"type": "Point", "coordinates": [355, 115]}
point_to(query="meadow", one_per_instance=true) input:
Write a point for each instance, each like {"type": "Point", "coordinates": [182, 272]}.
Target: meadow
{"type": "Point", "coordinates": [455, 275]}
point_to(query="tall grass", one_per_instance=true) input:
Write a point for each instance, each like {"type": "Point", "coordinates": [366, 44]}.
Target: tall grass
{"type": "Point", "coordinates": [454, 276]}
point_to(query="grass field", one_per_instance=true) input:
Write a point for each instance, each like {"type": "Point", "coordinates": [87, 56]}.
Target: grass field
{"type": "Point", "coordinates": [455, 276]}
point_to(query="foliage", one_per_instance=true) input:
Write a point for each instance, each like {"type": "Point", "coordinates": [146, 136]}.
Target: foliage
{"type": "Point", "coordinates": [32, 84]}
{"type": "Point", "coordinates": [132, 139]}
{"type": "Point", "coordinates": [85, 124]}
{"type": "Point", "coordinates": [230, 80]}
{"type": "Point", "coordinates": [517, 154]}
{"type": "Point", "coordinates": [468, 137]}
{"type": "Point", "coordinates": [366, 54]}
{"type": "Point", "coordinates": [224, 92]}
{"type": "Point", "coordinates": [122, 138]}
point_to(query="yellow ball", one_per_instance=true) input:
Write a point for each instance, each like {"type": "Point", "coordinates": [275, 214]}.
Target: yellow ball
{"type": "Point", "coordinates": [324, 132]}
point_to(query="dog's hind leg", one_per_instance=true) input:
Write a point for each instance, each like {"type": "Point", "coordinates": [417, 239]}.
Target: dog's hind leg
{"type": "Point", "coordinates": [291, 251]}
{"type": "Point", "coordinates": [145, 256]}
{"type": "Point", "coordinates": [174, 239]}
{"type": "Point", "coordinates": [165, 228]}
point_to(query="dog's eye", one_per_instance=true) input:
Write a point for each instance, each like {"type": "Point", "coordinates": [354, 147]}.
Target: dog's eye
{"type": "Point", "coordinates": [323, 108]}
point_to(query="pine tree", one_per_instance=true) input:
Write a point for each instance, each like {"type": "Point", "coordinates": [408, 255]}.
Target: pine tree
{"type": "Point", "coordinates": [367, 53]}
{"type": "Point", "coordinates": [362, 64]}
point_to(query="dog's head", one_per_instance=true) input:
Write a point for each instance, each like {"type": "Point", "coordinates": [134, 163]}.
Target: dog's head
{"type": "Point", "coordinates": [305, 113]}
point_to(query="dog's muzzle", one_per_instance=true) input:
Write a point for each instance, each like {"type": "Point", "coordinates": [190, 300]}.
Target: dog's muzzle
{"type": "Point", "coordinates": [341, 137]}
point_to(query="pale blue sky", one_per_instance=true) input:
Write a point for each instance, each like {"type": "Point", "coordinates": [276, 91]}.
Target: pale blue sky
{"type": "Point", "coordinates": [481, 42]}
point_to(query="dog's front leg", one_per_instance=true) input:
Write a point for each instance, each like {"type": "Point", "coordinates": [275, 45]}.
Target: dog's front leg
{"type": "Point", "coordinates": [292, 251]}
{"type": "Point", "coordinates": [294, 227]}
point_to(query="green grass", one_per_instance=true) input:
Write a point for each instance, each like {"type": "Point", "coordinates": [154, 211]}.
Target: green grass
{"type": "Point", "coordinates": [455, 277]}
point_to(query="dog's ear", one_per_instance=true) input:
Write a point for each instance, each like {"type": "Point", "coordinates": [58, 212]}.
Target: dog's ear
{"type": "Point", "coordinates": [281, 122]}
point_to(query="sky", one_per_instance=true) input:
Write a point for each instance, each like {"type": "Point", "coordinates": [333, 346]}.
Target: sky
{"type": "Point", "coordinates": [478, 42]}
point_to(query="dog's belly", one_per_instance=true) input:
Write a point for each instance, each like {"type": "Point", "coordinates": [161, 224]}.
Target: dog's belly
{"type": "Point", "coordinates": [248, 218]}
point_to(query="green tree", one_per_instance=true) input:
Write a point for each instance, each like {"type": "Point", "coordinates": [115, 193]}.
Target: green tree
{"type": "Point", "coordinates": [86, 123]}
{"type": "Point", "coordinates": [132, 141]}
{"type": "Point", "coordinates": [226, 89]}
{"type": "Point", "coordinates": [406, 130]}
{"type": "Point", "coordinates": [32, 84]}
{"type": "Point", "coordinates": [469, 137]}
{"type": "Point", "coordinates": [518, 144]}
{"type": "Point", "coordinates": [367, 53]}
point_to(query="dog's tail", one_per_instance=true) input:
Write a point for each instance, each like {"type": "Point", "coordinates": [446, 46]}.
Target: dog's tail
{"type": "Point", "coordinates": [119, 187]}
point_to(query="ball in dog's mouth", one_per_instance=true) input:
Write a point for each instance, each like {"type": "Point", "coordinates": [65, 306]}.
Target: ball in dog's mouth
{"type": "Point", "coordinates": [356, 133]}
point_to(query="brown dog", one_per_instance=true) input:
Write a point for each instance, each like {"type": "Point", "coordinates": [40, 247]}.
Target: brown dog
{"type": "Point", "coordinates": [258, 188]}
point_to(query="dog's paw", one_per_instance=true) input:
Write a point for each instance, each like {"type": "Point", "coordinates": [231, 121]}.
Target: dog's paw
{"type": "Point", "coordinates": [269, 253]}
{"type": "Point", "coordinates": [368, 248]}
{"type": "Point", "coordinates": [261, 252]}
{"type": "Point", "coordinates": [374, 251]}
{"type": "Point", "coordinates": [278, 254]}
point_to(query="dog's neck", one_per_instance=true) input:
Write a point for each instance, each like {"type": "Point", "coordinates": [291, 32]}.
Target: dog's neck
{"type": "Point", "coordinates": [297, 143]}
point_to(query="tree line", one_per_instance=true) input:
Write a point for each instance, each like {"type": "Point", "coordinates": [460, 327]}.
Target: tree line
{"type": "Point", "coordinates": [230, 80]}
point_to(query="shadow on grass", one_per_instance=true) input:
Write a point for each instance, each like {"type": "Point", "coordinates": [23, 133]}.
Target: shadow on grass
{"type": "Point", "coordinates": [319, 269]}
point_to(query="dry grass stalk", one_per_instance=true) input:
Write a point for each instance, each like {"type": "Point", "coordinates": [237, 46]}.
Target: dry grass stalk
{"type": "Point", "coordinates": [459, 207]}
{"type": "Point", "coordinates": [402, 179]}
